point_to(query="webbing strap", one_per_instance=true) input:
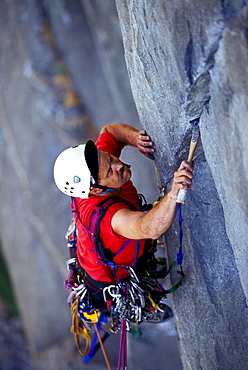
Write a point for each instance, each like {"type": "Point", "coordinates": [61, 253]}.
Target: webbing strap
{"type": "Point", "coordinates": [136, 253]}
{"type": "Point", "coordinates": [177, 285]}
{"type": "Point", "coordinates": [123, 247]}
{"type": "Point", "coordinates": [94, 227]}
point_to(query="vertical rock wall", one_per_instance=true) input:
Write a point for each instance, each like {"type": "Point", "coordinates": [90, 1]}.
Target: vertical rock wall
{"type": "Point", "coordinates": [88, 36]}
{"type": "Point", "coordinates": [187, 60]}
{"type": "Point", "coordinates": [63, 76]}
{"type": "Point", "coordinates": [35, 126]}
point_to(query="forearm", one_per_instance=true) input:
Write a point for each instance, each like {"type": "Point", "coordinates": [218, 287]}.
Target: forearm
{"type": "Point", "coordinates": [124, 134]}
{"type": "Point", "coordinates": [150, 225]}
{"type": "Point", "coordinates": [158, 220]}
{"type": "Point", "coordinates": [139, 225]}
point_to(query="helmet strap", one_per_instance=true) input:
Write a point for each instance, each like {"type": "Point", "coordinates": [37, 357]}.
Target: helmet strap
{"type": "Point", "coordinates": [105, 189]}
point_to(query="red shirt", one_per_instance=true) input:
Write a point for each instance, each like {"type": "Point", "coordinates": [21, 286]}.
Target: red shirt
{"type": "Point", "coordinates": [85, 253]}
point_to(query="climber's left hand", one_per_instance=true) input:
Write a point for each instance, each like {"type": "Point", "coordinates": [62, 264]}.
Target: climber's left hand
{"type": "Point", "coordinates": [145, 144]}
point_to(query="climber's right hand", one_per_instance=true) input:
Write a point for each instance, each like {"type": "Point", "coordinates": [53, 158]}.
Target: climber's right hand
{"type": "Point", "coordinates": [182, 177]}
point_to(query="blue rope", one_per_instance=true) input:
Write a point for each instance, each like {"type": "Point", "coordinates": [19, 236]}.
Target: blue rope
{"type": "Point", "coordinates": [180, 220]}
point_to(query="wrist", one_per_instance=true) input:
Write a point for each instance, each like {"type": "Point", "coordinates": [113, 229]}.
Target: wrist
{"type": "Point", "coordinates": [172, 196]}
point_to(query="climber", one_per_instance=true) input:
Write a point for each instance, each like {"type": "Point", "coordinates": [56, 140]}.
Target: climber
{"type": "Point", "coordinates": [92, 172]}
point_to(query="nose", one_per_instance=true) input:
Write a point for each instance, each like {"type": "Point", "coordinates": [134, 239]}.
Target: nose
{"type": "Point", "coordinates": [117, 166]}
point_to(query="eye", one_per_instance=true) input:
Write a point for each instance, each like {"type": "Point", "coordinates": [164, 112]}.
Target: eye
{"type": "Point", "coordinates": [110, 168]}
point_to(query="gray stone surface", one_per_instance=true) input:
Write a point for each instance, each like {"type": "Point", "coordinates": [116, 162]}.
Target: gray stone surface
{"type": "Point", "coordinates": [187, 60]}
{"type": "Point", "coordinates": [42, 45]}
{"type": "Point", "coordinates": [88, 37]}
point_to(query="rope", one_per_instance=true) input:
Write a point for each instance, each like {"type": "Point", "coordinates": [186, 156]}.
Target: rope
{"type": "Point", "coordinates": [122, 360]}
{"type": "Point", "coordinates": [77, 329]}
{"type": "Point", "coordinates": [180, 220]}
{"type": "Point", "coordinates": [180, 256]}
{"type": "Point", "coordinates": [95, 343]}
{"type": "Point", "coordinates": [102, 347]}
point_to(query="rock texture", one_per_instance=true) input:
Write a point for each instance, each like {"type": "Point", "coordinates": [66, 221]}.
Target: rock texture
{"type": "Point", "coordinates": [63, 76]}
{"type": "Point", "coordinates": [188, 60]}
{"type": "Point", "coordinates": [88, 36]}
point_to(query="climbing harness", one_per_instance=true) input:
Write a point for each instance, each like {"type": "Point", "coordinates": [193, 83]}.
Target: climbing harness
{"type": "Point", "coordinates": [130, 301]}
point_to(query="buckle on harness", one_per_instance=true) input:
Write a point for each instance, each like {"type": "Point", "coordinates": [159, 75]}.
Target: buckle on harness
{"type": "Point", "coordinates": [70, 230]}
{"type": "Point", "coordinates": [71, 263]}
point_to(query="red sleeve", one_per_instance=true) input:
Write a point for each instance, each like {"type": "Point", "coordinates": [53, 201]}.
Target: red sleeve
{"type": "Point", "coordinates": [108, 143]}
{"type": "Point", "coordinates": [106, 228]}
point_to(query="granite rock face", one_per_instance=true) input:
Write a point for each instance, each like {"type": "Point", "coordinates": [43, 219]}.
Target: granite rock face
{"type": "Point", "coordinates": [185, 61]}
{"type": "Point", "coordinates": [60, 83]}
{"type": "Point", "coordinates": [63, 77]}
{"type": "Point", "coordinates": [88, 36]}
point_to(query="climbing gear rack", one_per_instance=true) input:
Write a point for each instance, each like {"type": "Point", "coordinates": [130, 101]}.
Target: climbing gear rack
{"type": "Point", "coordinates": [130, 301]}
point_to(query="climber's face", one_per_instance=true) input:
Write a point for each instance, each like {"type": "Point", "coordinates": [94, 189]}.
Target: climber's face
{"type": "Point", "coordinates": [112, 172]}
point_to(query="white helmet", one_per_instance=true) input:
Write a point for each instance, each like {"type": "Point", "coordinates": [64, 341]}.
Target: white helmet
{"type": "Point", "coordinates": [71, 171]}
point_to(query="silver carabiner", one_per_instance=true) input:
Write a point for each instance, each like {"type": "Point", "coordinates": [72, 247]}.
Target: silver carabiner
{"type": "Point", "coordinates": [107, 289]}
{"type": "Point", "coordinates": [142, 300]}
{"type": "Point", "coordinates": [132, 273]}
{"type": "Point", "coordinates": [137, 287]}
{"type": "Point", "coordinates": [82, 292]}
{"type": "Point", "coordinates": [139, 313]}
